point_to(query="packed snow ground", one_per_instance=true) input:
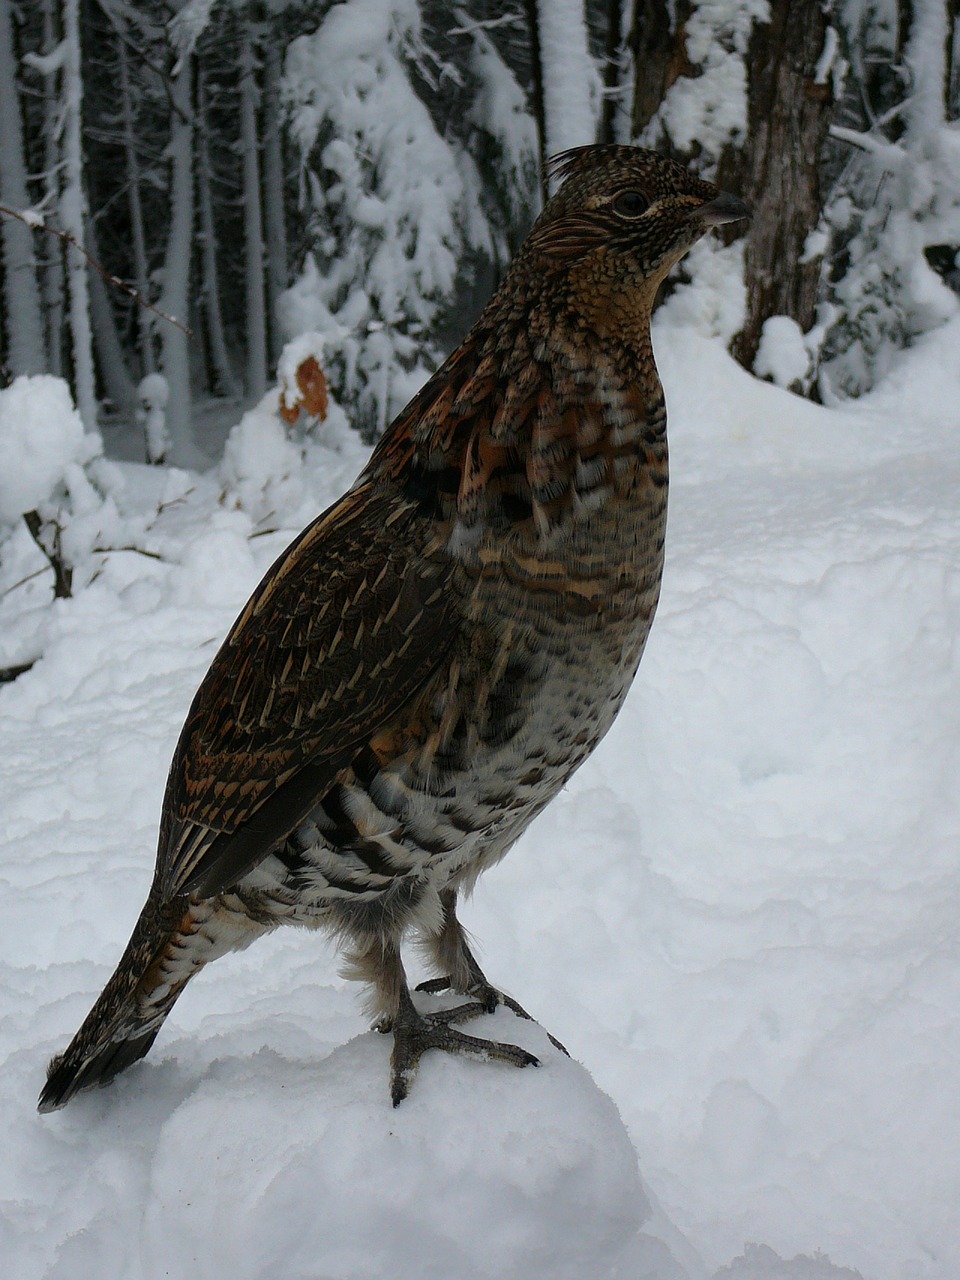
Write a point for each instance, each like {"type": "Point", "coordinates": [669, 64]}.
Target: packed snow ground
{"type": "Point", "coordinates": [742, 917]}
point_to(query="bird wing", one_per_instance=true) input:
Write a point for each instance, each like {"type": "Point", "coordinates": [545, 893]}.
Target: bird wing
{"type": "Point", "coordinates": [349, 623]}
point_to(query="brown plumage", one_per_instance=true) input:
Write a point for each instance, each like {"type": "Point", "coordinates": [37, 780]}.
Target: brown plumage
{"type": "Point", "coordinates": [428, 663]}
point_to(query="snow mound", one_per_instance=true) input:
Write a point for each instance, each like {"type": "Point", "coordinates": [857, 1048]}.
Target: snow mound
{"type": "Point", "coordinates": [41, 435]}
{"type": "Point", "coordinates": [261, 463]}
{"type": "Point", "coordinates": [304, 1169]}
{"type": "Point", "coordinates": [782, 355]}
{"type": "Point", "coordinates": [275, 474]}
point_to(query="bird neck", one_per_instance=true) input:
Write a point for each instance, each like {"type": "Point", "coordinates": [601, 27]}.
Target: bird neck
{"type": "Point", "coordinates": [551, 407]}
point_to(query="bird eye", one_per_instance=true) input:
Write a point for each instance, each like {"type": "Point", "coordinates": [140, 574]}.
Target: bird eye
{"type": "Point", "coordinates": [630, 204]}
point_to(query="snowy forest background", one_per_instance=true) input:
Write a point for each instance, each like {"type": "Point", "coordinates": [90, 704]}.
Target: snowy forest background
{"type": "Point", "coordinates": [741, 915]}
{"type": "Point", "coordinates": [364, 169]}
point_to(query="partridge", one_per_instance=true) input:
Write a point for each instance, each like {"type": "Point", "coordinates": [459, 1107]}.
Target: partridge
{"type": "Point", "coordinates": [426, 665]}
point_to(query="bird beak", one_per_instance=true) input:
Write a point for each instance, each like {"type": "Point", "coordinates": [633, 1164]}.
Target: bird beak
{"type": "Point", "coordinates": [722, 209]}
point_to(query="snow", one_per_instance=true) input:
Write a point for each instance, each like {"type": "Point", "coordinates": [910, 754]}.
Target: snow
{"type": "Point", "coordinates": [40, 436]}
{"type": "Point", "coordinates": [153, 392]}
{"type": "Point", "coordinates": [400, 198]}
{"type": "Point", "coordinates": [571, 83]}
{"type": "Point", "coordinates": [272, 475]}
{"type": "Point", "coordinates": [782, 355]}
{"type": "Point", "coordinates": [707, 111]}
{"type": "Point", "coordinates": [547, 1162]}
{"type": "Point", "coordinates": [740, 917]}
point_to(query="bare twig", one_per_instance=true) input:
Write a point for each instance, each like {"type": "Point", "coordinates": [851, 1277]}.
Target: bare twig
{"type": "Point", "coordinates": [62, 572]}
{"type": "Point", "coordinates": [37, 224]}
{"type": "Point", "coordinates": [163, 75]}
{"type": "Point", "coordinates": [152, 555]}
{"type": "Point", "coordinates": [890, 155]}
{"type": "Point", "coordinates": [22, 581]}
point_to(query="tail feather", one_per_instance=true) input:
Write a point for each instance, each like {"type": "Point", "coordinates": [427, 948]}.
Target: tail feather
{"type": "Point", "coordinates": [122, 1025]}
{"type": "Point", "coordinates": [70, 1073]}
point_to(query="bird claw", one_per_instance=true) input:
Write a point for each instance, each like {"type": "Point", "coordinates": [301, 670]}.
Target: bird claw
{"type": "Point", "coordinates": [414, 1033]}
{"type": "Point", "coordinates": [487, 999]}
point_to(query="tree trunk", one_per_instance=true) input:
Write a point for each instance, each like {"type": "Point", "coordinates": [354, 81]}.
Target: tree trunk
{"type": "Point", "coordinates": [175, 300]}
{"type": "Point", "coordinates": [255, 321]}
{"type": "Point", "coordinates": [273, 192]}
{"type": "Point", "coordinates": [953, 59]}
{"type": "Point", "coordinates": [21, 301]}
{"type": "Point", "coordinates": [141, 269]}
{"type": "Point", "coordinates": [536, 79]}
{"type": "Point", "coordinates": [114, 374]}
{"type": "Point", "coordinates": [569, 75]}
{"type": "Point", "coordinates": [73, 217]}
{"type": "Point", "coordinates": [613, 51]}
{"type": "Point", "coordinates": [52, 274]}
{"type": "Point", "coordinates": [927, 34]}
{"type": "Point", "coordinates": [658, 45]}
{"type": "Point", "coordinates": [777, 172]}
{"type": "Point", "coordinates": [225, 381]}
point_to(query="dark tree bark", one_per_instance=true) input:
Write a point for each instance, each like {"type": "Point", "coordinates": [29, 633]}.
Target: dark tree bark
{"type": "Point", "coordinates": [611, 70]}
{"type": "Point", "coordinates": [273, 191]}
{"type": "Point", "coordinates": [777, 169]}
{"type": "Point", "coordinates": [659, 50]}
{"type": "Point", "coordinates": [49, 543]}
{"type": "Point", "coordinates": [536, 77]}
{"type": "Point", "coordinates": [953, 59]}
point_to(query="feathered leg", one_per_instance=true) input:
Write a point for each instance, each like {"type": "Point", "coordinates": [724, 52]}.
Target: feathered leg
{"type": "Point", "coordinates": [453, 957]}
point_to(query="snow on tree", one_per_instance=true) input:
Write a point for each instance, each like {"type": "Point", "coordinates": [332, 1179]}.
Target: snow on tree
{"type": "Point", "coordinates": [503, 141]}
{"type": "Point", "coordinates": [153, 394]}
{"type": "Point", "coordinates": [41, 435]}
{"type": "Point", "coordinates": [895, 211]}
{"type": "Point", "coordinates": [22, 326]}
{"type": "Point", "coordinates": [175, 298]}
{"type": "Point", "coordinates": [54, 475]}
{"type": "Point", "coordinates": [73, 217]}
{"type": "Point", "coordinates": [704, 105]}
{"type": "Point", "coordinates": [571, 83]}
{"type": "Point", "coordinates": [396, 204]}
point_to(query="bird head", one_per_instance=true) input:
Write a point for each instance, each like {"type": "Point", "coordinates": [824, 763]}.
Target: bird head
{"type": "Point", "coordinates": [623, 216]}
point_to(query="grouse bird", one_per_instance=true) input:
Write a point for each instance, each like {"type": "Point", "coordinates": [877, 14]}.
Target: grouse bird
{"type": "Point", "coordinates": [426, 665]}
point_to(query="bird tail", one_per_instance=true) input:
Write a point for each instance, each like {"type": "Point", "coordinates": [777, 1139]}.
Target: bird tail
{"type": "Point", "coordinates": [160, 959]}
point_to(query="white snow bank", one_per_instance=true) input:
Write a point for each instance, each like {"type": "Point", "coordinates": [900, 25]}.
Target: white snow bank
{"type": "Point", "coordinates": [477, 1177]}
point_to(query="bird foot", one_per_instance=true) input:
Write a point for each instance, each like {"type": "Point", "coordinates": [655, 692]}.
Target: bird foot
{"type": "Point", "coordinates": [486, 999]}
{"type": "Point", "coordinates": [414, 1033]}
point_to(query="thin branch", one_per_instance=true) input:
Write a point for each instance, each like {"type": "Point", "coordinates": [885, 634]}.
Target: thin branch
{"type": "Point", "coordinates": [468, 28]}
{"type": "Point", "coordinates": [152, 555]}
{"type": "Point", "coordinates": [37, 224]}
{"type": "Point", "coordinates": [163, 76]}
{"type": "Point", "coordinates": [889, 153]}
{"type": "Point", "coordinates": [62, 572]}
{"type": "Point", "coordinates": [21, 581]}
